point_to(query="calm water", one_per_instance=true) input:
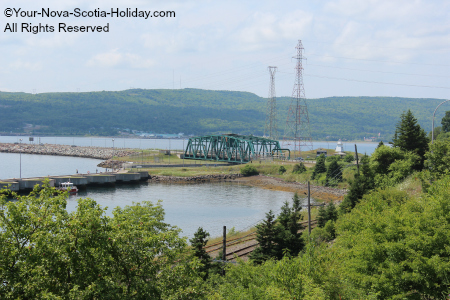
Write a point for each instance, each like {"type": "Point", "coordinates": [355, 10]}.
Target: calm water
{"type": "Point", "coordinates": [187, 206]}
{"type": "Point", "coordinates": [209, 205]}
{"type": "Point", "coordinates": [179, 144]}
{"type": "Point", "coordinates": [43, 165]}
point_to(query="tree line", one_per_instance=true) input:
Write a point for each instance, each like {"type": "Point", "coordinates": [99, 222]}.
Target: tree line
{"type": "Point", "coordinates": [199, 112]}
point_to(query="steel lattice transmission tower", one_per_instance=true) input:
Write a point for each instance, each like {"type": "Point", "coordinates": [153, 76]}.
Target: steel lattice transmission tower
{"type": "Point", "coordinates": [271, 128]}
{"type": "Point", "coordinates": [297, 124]}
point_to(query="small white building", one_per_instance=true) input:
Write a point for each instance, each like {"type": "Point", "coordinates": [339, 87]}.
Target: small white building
{"type": "Point", "coordinates": [339, 148]}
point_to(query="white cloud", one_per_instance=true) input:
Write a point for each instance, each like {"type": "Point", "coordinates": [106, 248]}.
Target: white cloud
{"type": "Point", "coordinates": [265, 28]}
{"type": "Point", "coordinates": [22, 66]}
{"type": "Point", "coordinates": [114, 59]}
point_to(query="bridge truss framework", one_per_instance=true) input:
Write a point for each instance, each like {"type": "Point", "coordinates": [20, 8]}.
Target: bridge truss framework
{"type": "Point", "coordinates": [232, 148]}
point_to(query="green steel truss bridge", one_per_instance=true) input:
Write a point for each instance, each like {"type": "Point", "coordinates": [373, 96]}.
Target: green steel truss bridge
{"type": "Point", "coordinates": [232, 148]}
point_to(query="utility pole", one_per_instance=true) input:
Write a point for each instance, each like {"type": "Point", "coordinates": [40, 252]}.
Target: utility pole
{"type": "Point", "coordinates": [357, 160]}
{"type": "Point", "coordinates": [297, 122]}
{"type": "Point", "coordinates": [224, 253]}
{"type": "Point", "coordinates": [271, 128]}
{"type": "Point", "coordinates": [20, 159]}
{"type": "Point", "coordinates": [309, 209]}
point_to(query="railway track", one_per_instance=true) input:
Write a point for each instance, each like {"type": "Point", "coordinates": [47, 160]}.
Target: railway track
{"type": "Point", "coordinates": [246, 247]}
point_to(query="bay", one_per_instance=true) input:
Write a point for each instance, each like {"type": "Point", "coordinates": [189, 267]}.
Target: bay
{"type": "Point", "coordinates": [42, 165]}
{"type": "Point", "coordinates": [189, 206]}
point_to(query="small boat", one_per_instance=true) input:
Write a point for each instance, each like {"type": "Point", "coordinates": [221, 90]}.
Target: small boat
{"type": "Point", "coordinates": [68, 186]}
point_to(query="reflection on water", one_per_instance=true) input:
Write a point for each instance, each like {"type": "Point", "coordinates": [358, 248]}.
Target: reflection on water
{"type": "Point", "coordinates": [189, 206]}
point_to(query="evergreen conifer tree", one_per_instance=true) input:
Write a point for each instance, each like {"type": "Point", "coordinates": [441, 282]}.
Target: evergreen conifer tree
{"type": "Point", "coordinates": [409, 136]}
{"type": "Point", "coordinates": [334, 171]}
{"type": "Point", "coordinates": [288, 240]}
{"type": "Point", "coordinates": [320, 166]}
{"type": "Point", "coordinates": [326, 214]}
{"type": "Point", "coordinates": [198, 243]}
{"type": "Point", "coordinates": [266, 234]}
{"type": "Point", "coordinates": [360, 186]}
{"type": "Point", "coordinates": [322, 217]}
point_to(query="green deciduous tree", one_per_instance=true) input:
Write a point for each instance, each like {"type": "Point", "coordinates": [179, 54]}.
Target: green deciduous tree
{"type": "Point", "coordinates": [438, 159]}
{"type": "Point", "coordinates": [391, 165]}
{"type": "Point", "coordinates": [396, 247]}
{"type": "Point", "coordinates": [383, 157]}
{"type": "Point", "coordinates": [46, 252]}
{"type": "Point", "coordinates": [446, 122]}
{"type": "Point", "coordinates": [409, 136]}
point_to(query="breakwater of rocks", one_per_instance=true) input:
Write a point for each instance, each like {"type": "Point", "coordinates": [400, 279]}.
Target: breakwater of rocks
{"type": "Point", "coordinates": [193, 179]}
{"type": "Point", "coordinates": [64, 150]}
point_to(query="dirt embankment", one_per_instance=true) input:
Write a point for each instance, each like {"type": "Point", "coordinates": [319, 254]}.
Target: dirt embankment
{"type": "Point", "coordinates": [326, 194]}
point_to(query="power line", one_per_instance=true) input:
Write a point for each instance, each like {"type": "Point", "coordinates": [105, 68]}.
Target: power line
{"type": "Point", "coordinates": [384, 72]}
{"type": "Point", "coordinates": [379, 82]}
{"type": "Point", "coordinates": [386, 61]}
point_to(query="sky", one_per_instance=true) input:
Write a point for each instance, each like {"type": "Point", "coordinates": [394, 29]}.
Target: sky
{"type": "Point", "coordinates": [352, 47]}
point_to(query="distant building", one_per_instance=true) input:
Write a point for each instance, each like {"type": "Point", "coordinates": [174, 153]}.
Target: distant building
{"type": "Point", "coordinates": [319, 152]}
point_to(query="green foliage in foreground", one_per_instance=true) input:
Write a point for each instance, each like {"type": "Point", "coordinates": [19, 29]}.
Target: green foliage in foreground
{"type": "Point", "coordinates": [396, 247]}
{"type": "Point", "coordinates": [390, 246]}
{"type": "Point", "coordinates": [46, 252]}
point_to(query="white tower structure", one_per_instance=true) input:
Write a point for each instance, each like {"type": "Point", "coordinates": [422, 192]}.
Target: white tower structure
{"type": "Point", "coordinates": [340, 147]}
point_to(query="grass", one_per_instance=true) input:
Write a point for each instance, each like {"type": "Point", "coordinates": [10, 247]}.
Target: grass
{"type": "Point", "coordinates": [411, 185]}
{"type": "Point", "coordinates": [264, 168]}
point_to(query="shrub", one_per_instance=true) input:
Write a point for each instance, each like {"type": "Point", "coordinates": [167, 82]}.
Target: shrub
{"type": "Point", "coordinates": [249, 170]}
{"type": "Point", "coordinates": [332, 158]}
{"type": "Point", "coordinates": [299, 168]}
{"type": "Point", "coordinates": [349, 158]}
{"type": "Point", "coordinates": [282, 170]}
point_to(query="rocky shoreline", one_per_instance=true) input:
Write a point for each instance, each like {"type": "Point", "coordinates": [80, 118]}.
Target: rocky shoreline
{"type": "Point", "coordinates": [64, 150]}
{"type": "Point", "coordinates": [193, 179]}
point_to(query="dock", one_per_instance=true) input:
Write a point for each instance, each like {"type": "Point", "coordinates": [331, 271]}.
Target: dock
{"type": "Point", "coordinates": [80, 180]}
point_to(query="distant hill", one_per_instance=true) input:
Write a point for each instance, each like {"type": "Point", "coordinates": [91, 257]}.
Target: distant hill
{"type": "Point", "coordinates": [194, 111]}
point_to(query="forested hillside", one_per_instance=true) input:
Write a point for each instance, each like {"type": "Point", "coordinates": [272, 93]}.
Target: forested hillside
{"type": "Point", "coordinates": [195, 111]}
